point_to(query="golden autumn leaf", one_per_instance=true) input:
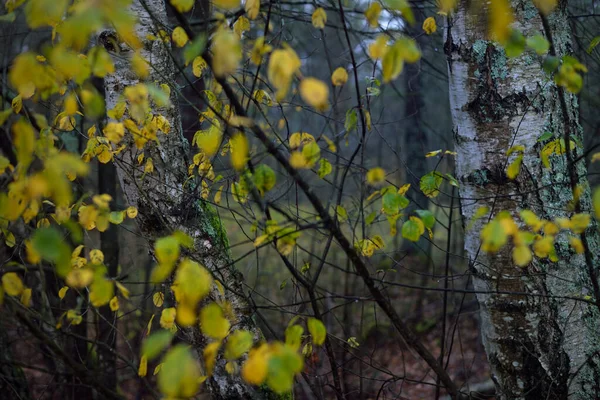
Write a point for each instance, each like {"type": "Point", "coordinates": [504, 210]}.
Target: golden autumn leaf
{"type": "Point", "coordinates": [339, 76]}
{"type": "Point", "coordinates": [319, 18]}
{"type": "Point", "coordinates": [429, 25]}
{"type": "Point", "coordinates": [315, 92]}
{"type": "Point", "coordinates": [180, 37]}
{"type": "Point", "coordinates": [372, 14]}
{"type": "Point", "coordinates": [252, 8]}
{"type": "Point", "coordinates": [283, 64]}
{"type": "Point", "coordinates": [227, 4]}
{"type": "Point", "coordinates": [239, 151]}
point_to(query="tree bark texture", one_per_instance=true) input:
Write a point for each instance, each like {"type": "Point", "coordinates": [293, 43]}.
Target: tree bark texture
{"type": "Point", "coordinates": [539, 346]}
{"type": "Point", "coordinates": [164, 203]}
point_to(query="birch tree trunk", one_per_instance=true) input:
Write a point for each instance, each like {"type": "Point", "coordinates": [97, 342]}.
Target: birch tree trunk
{"type": "Point", "coordinates": [165, 204]}
{"type": "Point", "coordinates": [539, 346]}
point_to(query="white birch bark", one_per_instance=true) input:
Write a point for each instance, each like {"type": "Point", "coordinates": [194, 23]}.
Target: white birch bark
{"type": "Point", "coordinates": [164, 204]}
{"type": "Point", "coordinates": [538, 347]}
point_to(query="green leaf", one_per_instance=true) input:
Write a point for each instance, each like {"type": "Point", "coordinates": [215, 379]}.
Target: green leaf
{"type": "Point", "coordinates": [539, 44]}
{"type": "Point", "coordinates": [370, 218]}
{"type": "Point", "coordinates": [413, 229]}
{"type": "Point", "coordinates": [238, 343]}
{"type": "Point", "coordinates": [293, 336]}
{"type": "Point", "coordinates": [341, 213]}
{"type": "Point", "coordinates": [324, 168]}
{"type": "Point", "coordinates": [351, 120]}
{"type": "Point", "coordinates": [317, 330]}
{"type": "Point", "coordinates": [427, 218]}
{"type": "Point", "coordinates": [452, 180]}
{"type": "Point", "coordinates": [515, 45]}
{"type": "Point", "coordinates": [178, 377]}
{"type": "Point", "coordinates": [116, 217]}
{"type": "Point", "coordinates": [156, 343]}
{"type": "Point", "coordinates": [402, 6]}
{"type": "Point", "coordinates": [430, 184]}
{"type": "Point", "coordinates": [50, 245]}
{"type": "Point", "coordinates": [264, 178]}
{"type": "Point", "coordinates": [10, 17]}
{"type": "Point", "coordinates": [551, 63]}
{"type": "Point", "coordinates": [593, 44]}
{"type": "Point", "coordinates": [393, 203]}
{"type": "Point", "coordinates": [545, 136]}
{"type": "Point", "coordinates": [596, 202]}
{"type": "Point", "coordinates": [194, 48]}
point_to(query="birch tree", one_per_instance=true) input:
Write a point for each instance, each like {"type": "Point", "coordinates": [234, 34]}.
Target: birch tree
{"type": "Point", "coordinates": [511, 123]}
{"type": "Point", "coordinates": [169, 200]}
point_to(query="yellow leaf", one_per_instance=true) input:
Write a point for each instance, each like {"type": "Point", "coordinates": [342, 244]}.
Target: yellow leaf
{"type": "Point", "coordinates": [575, 243]}
{"type": "Point", "coordinates": [375, 176]}
{"type": "Point", "coordinates": [17, 104]}
{"type": "Point", "coordinates": [96, 257]}
{"type": "Point", "coordinates": [132, 212]}
{"type": "Point", "coordinates": [70, 105]}
{"type": "Point", "coordinates": [157, 369]}
{"type": "Point", "coordinates": [167, 317]}
{"type": "Point", "coordinates": [255, 369]}
{"type": "Point", "coordinates": [178, 377]}
{"type": "Point", "coordinates": [239, 151]}
{"type": "Point", "coordinates": [26, 297]}
{"type": "Point", "coordinates": [12, 284]}
{"type": "Point", "coordinates": [124, 291]}
{"type": "Point", "coordinates": [317, 330]}
{"type": "Point", "coordinates": [149, 166]}
{"type": "Point", "coordinates": [62, 292]}
{"type": "Point", "coordinates": [101, 291]}
{"type": "Point", "coordinates": [283, 64]}
{"type": "Point", "coordinates": [227, 52]}
{"type": "Point", "coordinates": [252, 8]}
{"type": "Point", "coordinates": [180, 37]}
{"type": "Point", "coordinates": [45, 12]}
{"type": "Point", "coordinates": [596, 202]}
{"type": "Point", "coordinates": [499, 20]}
{"type": "Point", "coordinates": [238, 343]}
{"type": "Point", "coordinates": [372, 14]}
{"type": "Point", "coordinates": [513, 169]}
{"type": "Point", "coordinates": [392, 64]}
{"type": "Point", "coordinates": [446, 7]}
{"type": "Point", "coordinates": [74, 317]}
{"type": "Point", "coordinates": [319, 18]}
{"type": "Point", "coordinates": [545, 6]}
{"type": "Point", "coordinates": [580, 222]}
{"type": "Point", "coordinates": [339, 76]}
{"type": "Point", "coordinates": [143, 369]}
{"type": "Point", "coordinates": [212, 321]}
{"type": "Point", "coordinates": [192, 283]}
{"type": "Point", "coordinates": [378, 48]}
{"type": "Point", "coordinates": [227, 4]}
{"type": "Point", "coordinates": [114, 132]}
{"type": "Point", "coordinates": [429, 25]}
{"type": "Point", "coordinates": [182, 5]}
{"type": "Point", "coordinates": [241, 25]}
{"type": "Point", "coordinates": [198, 65]}
{"type": "Point", "coordinates": [259, 50]}
{"type": "Point", "coordinates": [315, 93]}
{"type": "Point", "coordinates": [114, 304]}
{"type": "Point", "coordinates": [521, 256]}
{"type": "Point", "coordinates": [140, 66]}
{"type": "Point", "coordinates": [158, 299]}
{"type": "Point", "coordinates": [210, 356]}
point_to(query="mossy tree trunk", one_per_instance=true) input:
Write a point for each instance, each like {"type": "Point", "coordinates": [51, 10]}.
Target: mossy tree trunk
{"type": "Point", "coordinates": [168, 201]}
{"type": "Point", "coordinates": [539, 346]}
